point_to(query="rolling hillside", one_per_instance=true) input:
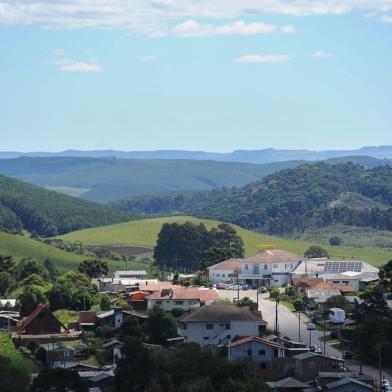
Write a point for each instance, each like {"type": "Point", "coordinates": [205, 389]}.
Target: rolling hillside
{"type": "Point", "coordinates": [144, 233]}
{"type": "Point", "coordinates": [290, 201]}
{"type": "Point", "coordinates": [20, 246]}
{"type": "Point", "coordinates": [107, 179]}
{"type": "Point", "coordinates": [28, 207]}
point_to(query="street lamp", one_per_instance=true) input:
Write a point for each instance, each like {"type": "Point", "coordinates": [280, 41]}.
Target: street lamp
{"type": "Point", "coordinates": [276, 315]}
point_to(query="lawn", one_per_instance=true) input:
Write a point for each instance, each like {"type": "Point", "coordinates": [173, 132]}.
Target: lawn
{"type": "Point", "coordinates": [20, 246]}
{"type": "Point", "coordinates": [144, 233]}
{"type": "Point", "coordinates": [66, 316]}
{"type": "Point", "coordinates": [8, 350]}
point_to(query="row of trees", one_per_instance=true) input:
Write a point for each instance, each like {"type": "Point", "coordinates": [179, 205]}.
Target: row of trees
{"type": "Point", "coordinates": [183, 247]}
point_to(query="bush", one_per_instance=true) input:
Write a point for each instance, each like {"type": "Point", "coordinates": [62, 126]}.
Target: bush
{"type": "Point", "coordinates": [335, 241]}
{"type": "Point", "coordinates": [274, 293]}
{"type": "Point", "coordinates": [105, 332]}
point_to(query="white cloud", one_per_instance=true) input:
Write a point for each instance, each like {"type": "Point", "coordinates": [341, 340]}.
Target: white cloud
{"type": "Point", "coordinates": [191, 28]}
{"type": "Point", "coordinates": [155, 17]}
{"type": "Point", "coordinates": [262, 59]}
{"type": "Point", "coordinates": [386, 19]}
{"type": "Point", "coordinates": [321, 54]}
{"type": "Point", "coordinates": [148, 59]}
{"type": "Point", "coordinates": [81, 67]}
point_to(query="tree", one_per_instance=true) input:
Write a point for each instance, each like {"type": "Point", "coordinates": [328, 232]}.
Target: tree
{"type": "Point", "coordinates": [214, 255]}
{"type": "Point", "coordinates": [94, 268]}
{"type": "Point", "coordinates": [13, 378]}
{"type": "Point", "coordinates": [246, 301]}
{"type": "Point", "coordinates": [105, 303]}
{"type": "Point", "coordinates": [298, 304]}
{"type": "Point", "coordinates": [7, 283]}
{"type": "Point", "coordinates": [131, 327]}
{"type": "Point", "coordinates": [30, 298]}
{"type": "Point", "coordinates": [34, 280]}
{"type": "Point", "coordinates": [176, 278]}
{"type": "Point", "coordinates": [199, 280]}
{"type": "Point", "coordinates": [27, 267]}
{"type": "Point", "coordinates": [160, 326]}
{"type": "Point", "coordinates": [58, 380]}
{"type": "Point", "coordinates": [53, 272]}
{"type": "Point", "coordinates": [134, 368]}
{"type": "Point", "coordinates": [7, 263]}
{"type": "Point", "coordinates": [335, 241]}
{"type": "Point", "coordinates": [316, 252]}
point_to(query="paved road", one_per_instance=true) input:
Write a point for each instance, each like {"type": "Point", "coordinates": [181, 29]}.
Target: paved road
{"type": "Point", "coordinates": [289, 325]}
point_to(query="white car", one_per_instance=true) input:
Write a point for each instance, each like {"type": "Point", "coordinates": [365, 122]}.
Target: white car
{"type": "Point", "coordinates": [311, 327]}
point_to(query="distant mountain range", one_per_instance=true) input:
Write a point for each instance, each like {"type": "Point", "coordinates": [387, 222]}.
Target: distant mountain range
{"type": "Point", "coordinates": [108, 179]}
{"type": "Point", "coordinates": [247, 156]}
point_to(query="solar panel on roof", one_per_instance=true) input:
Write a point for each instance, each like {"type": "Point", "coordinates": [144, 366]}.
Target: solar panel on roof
{"type": "Point", "coordinates": [342, 266]}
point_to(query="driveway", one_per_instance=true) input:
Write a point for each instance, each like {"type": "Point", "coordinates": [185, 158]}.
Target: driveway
{"type": "Point", "coordinates": [289, 325]}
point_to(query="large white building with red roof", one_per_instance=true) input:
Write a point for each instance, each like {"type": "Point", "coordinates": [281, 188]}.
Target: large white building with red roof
{"type": "Point", "coordinates": [225, 271]}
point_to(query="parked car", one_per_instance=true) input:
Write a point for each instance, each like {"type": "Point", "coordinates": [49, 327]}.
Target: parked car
{"type": "Point", "coordinates": [234, 287]}
{"type": "Point", "coordinates": [311, 327]}
{"type": "Point", "coordinates": [313, 348]}
{"type": "Point", "coordinates": [221, 286]}
{"type": "Point", "coordinates": [245, 287]}
{"type": "Point", "coordinates": [263, 290]}
{"type": "Point", "coordinates": [347, 355]}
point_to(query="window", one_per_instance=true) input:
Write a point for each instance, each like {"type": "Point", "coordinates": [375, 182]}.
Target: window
{"type": "Point", "coordinates": [178, 302]}
{"type": "Point", "coordinates": [158, 302]}
{"type": "Point", "coordinates": [246, 266]}
{"type": "Point", "coordinates": [255, 268]}
{"type": "Point", "coordinates": [275, 266]}
{"type": "Point", "coordinates": [192, 302]}
{"type": "Point", "coordinates": [265, 266]}
{"type": "Point", "coordinates": [223, 275]}
{"type": "Point", "coordinates": [263, 365]}
{"type": "Point", "coordinates": [228, 326]}
{"type": "Point", "coordinates": [217, 275]}
{"type": "Point", "coordinates": [209, 326]}
{"type": "Point", "coordinates": [276, 280]}
{"type": "Point", "coordinates": [262, 352]}
{"type": "Point", "coordinates": [206, 338]}
{"type": "Point", "coordinates": [249, 352]}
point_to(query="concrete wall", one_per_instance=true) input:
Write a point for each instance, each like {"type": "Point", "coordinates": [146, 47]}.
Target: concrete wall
{"type": "Point", "coordinates": [221, 276]}
{"type": "Point", "coordinates": [169, 304]}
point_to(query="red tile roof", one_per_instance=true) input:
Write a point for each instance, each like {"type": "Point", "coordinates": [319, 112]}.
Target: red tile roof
{"type": "Point", "coordinates": [157, 287]}
{"type": "Point", "coordinates": [308, 282]}
{"type": "Point", "coordinates": [274, 256]}
{"type": "Point", "coordinates": [27, 320]}
{"type": "Point", "coordinates": [230, 264]}
{"type": "Point", "coordinates": [256, 339]}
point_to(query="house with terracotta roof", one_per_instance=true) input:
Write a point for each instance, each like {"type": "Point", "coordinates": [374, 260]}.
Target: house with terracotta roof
{"type": "Point", "coordinates": [304, 283]}
{"type": "Point", "coordinates": [269, 267]}
{"type": "Point", "coordinates": [40, 322]}
{"type": "Point", "coordinates": [224, 272]}
{"type": "Point", "coordinates": [267, 358]}
{"type": "Point", "coordinates": [184, 298]}
{"type": "Point", "coordinates": [218, 324]}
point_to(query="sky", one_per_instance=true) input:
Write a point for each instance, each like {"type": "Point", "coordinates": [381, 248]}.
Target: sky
{"type": "Point", "coordinates": [212, 75]}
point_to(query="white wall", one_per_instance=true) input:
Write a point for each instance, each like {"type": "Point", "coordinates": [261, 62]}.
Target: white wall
{"type": "Point", "coordinates": [169, 304]}
{"type": "Point", "coordinates": [220, 276]}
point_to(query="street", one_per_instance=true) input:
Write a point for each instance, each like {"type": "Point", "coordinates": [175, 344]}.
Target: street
{"type": "Point", "coordinates": [289, 325]}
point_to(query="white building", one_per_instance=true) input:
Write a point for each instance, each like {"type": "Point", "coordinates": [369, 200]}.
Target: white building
{"type": "Point", "coordinates": [269, 267]}
{"type": "Point", "coordinates": [218, 323]}
{"type": "Point", "coordinates": [224, 272]}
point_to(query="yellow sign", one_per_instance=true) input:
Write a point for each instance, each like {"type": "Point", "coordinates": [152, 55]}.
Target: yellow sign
{"type": "Point", "coordinates": [265, 247]}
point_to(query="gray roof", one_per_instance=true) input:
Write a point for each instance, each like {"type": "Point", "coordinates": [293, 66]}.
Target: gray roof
{"type": "Point", "coordinates": [348, 380]}
{"type": "Point", "coordinates": [290, 382]}
{"type": "Point", "coordinates": [221, 313]}
{"type": "Point", "coordinates": [310, 354]}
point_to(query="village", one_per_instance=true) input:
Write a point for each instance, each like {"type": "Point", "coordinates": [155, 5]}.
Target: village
{"type": "Point", "coordinates": [289, 317]}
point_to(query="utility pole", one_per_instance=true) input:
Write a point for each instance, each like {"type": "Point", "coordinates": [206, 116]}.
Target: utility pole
{"type": "Point", "coordinates": [257, 298]}
{"type": "Point", "coordinates": [310, 337]}
{"type": "Point", "coordinates": [299, 325]}
{"type": "Point", "coordinates": [379, 363]}
{"type": "Point", "coordinates": [276, 317]}
{"type": "Point", "coordinates": [324, 337]}
{"type": "Point", "coordinates": [238, 285]}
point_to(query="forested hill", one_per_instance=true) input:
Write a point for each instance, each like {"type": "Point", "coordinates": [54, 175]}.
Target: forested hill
{"type": "Point", "coordinates": [292, 200]}
{"type": "Point", "coordinates": [25, 206]}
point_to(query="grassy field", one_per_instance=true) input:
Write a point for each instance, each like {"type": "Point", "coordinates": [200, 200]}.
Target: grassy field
{"type": "Point", "coordinates": [22, 246]}
{"type": "Point", "coordinates": [144, 233]}
{"type": "Point", "coordinates": [351, 236]}
{"type": "Point", "coordinates": [8, 350]}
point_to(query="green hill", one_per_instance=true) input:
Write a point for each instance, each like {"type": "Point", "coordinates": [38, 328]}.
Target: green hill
{"type": "Point", "coordinates": [20, 246]}
{"type": "Point", "coordinates": [28, 207]}
{"type": "Point", "coordinates": [144, 233]}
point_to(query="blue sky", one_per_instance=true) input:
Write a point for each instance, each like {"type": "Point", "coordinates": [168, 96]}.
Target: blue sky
{"type": "Point", "coordinates": [214, 75]}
